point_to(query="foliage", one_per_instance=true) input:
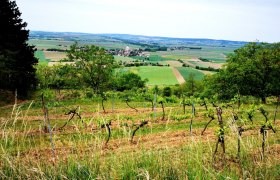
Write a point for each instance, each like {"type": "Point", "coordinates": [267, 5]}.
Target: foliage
{"type": "Point", "coordinates": [94, 65]}
{"type": "Point", "coordinates": [128, 81]}
{"type": "Point", "coordinates": [167, 91]}
{"type": "Point", "coordinates": [189, 88]}
{"type": "Point", "coordinates": [252, 70]}
{"type": "Point", "coordinates": [16, 56]}
{"type": "Point", "coordinates": [58, 77]}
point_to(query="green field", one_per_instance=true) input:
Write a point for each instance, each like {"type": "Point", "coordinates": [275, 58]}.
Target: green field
{"type": "Point", "coordinates": [41, 56]}
{"type": "Point", "coordinates": [215, 54]}
{"type": "Point", "coordinates": [156, 75]}
{"type": "Point", "coordinates": [186, 71]}
{"type": "Point", "coordinates": [124, 59]}
{"type": "Point", "coordinates": [42, 44]}
{"type": "Point", "coordinates": [195, 63]}
{"type": "Point", "coordinates": [153, 57]}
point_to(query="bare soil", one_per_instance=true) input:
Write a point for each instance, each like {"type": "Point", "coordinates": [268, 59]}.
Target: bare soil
{"type": "Point", "coordinates": [178, 75]}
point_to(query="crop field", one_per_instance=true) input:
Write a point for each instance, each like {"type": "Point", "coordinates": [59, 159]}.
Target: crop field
{"type": "Point", "coordinates": [156, 75]}
{"type": "Point", "coordinates": [42, 44]}
{"type": "Point", "coordinates": [126, 143]}
{"type": "Point", "coordinates": [215, 54]}
{"type": "Point", "coordinates": [153, 58]}
{"type": "Point", "coordinates": [173, 63]}
{"type": "Point", "coordinates": [113, 45]}
{"type": "Point", "coordinates": [197, 62]}
{"type": "Point", "coordinates": [186, 71]}
{"type": "Point", "coordinates": [54, 55]}
{"type": "Point", "coordinates": [124, 59]}
{"type": "Point", "coordinates": [41, 56]}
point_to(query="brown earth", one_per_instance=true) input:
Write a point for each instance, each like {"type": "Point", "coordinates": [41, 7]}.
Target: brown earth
{"type": "Point", "coordinates": [178, 75]}
{"type": "Point", "coordinates": [174, 63]}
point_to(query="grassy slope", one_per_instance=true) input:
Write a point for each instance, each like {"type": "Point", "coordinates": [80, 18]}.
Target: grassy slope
{"type": "Point", "coordinates": [185, 72]}
{"type": "Point", "coordinates": [81, 154]}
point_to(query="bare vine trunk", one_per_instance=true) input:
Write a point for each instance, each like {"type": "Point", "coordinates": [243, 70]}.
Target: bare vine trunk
{"type": "Point", "coordinates": [137, 128]}
{"type": "Point", "coordinates": [221, 134]}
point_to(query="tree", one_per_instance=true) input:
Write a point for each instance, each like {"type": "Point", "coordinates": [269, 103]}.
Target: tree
{"type": "Point", "coordinates": [251, 70]}
{"type": "Point", "coordinates": [128, 81]}
{"type": "Point", "coordinates": [94, 65]}
{"type": "Point", "coordinates": [57, 77]}
{"type": "Point", "coordinates": [16, 56]}
{"type": "Point", "coordinates": [191, 87]}
{"type": "Point", "coordinates": [167, 91]}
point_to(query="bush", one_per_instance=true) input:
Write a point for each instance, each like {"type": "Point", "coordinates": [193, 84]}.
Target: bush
{"type": "Point", "coordinates": [171, 99]}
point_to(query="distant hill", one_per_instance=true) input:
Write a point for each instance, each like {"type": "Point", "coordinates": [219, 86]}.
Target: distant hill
{"type": "Point", "coordinates": [134, 39]}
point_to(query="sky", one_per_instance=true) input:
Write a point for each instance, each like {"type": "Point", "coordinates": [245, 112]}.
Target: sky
{"type": "Point", "coordinates": [242, 20]}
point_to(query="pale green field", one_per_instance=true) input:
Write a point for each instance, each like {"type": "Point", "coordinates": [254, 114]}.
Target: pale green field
{"type": "Point", "coordinates": [186, 71]}
{"type": "Point", "coordinates": [45, 44]}
{"type": "Point", "coordinates": [156, 75]}
{"type": "Point", "coordinates": [215, 54]}
{"type": "Point", "coordinates": [124, 59]}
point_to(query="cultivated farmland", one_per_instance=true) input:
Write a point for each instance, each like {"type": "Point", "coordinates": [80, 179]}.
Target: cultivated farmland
{"type": "Point", "coordinates": [186, 71]}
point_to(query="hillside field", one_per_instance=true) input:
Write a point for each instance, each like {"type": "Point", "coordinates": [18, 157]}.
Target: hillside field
{"type": "Point", "coordinates": [164, 148]}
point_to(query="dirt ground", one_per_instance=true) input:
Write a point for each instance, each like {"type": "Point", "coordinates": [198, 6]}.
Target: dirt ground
{"type": "Point", "coordinates": [178, 75]}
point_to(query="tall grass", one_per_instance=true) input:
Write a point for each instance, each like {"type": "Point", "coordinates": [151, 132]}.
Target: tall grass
{"type": "Point", "coordinates": [26, 154]}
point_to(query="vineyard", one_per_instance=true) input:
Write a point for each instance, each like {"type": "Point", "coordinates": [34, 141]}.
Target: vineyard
{"type": "Point", "coordinates": [139, 137]}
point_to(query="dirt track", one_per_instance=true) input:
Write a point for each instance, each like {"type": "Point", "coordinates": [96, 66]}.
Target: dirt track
{"type": "Point", "coordinates": [178, 75]}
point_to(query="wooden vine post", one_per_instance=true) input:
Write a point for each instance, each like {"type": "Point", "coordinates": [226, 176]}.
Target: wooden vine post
{"type": "Point", "coordinates": [193, 114]}
{"type": "Point", "coordinates": [184, 104]}
{"type": "Point", "coordinates": [155, 105]}
{"type": "Point", "coordinates": [263, 130]}
{"type": "Point", "coordinates": [48, 128]}
{"type": "Point", "coordinates": [104, 98]}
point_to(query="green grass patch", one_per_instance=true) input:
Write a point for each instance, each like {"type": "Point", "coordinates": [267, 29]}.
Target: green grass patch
{"type": "Point", "coordinates": [186, 71]}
